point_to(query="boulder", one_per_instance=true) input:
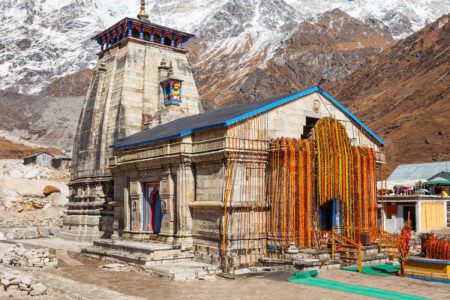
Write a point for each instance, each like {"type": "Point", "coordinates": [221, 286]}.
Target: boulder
{"type": "Point", "coordinates": [15, 173]}
{"type": "Point", "coordinates": [58, 199]}
{"type": "Point", "coordinates": [54, 231]}
{"type": "Point", "coordinates": [50, 189]}
{"type": "Point", "coordinates": [38, 289]}
{"type": "Point", "coordinates": [9, 276]}
{"type": "Point", "coordinates": [31, 233]}
{"type": "Point", "coordinates": [6, 202]}
{"type": "Point", "coordinates": [37, 204]}
{"type": "Point", "coordinates": [47, 206]}
{"type": "Point", "coordinates": [114, 267]}
{"type": "Point", "coordinates": [32, 174]}
{"type": "Point", "coordinates": [6, 283]}
{"type": "Point", "coordinates": [8, 193]}
{"type": "Point", "coordinates": [26, 280]}
{"type": "Point", "coordinates": [11, 235]}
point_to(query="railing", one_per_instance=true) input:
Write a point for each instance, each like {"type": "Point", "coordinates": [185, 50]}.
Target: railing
{"type": "Point", "coordinates": [349, 250]}
{"type": "Point", "coordinates": [389, 242]}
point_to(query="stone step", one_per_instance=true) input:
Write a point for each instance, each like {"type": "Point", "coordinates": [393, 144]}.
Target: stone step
{"type": "Point", "coordinates": [184, 270]}
{"type": "Point", "coordinates": [137, 257]}
{"type": "Point", "coordinates": [144, 247]}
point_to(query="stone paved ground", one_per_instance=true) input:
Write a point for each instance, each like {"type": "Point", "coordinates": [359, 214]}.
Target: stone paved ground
{"type": "Point", "coordinates": [415, 287]}
{"type": "Point", "coordinates": [87, 281]}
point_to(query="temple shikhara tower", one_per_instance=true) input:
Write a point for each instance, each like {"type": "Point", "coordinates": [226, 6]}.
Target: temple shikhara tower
{"type": "Point", "coordinates": [142, 79]}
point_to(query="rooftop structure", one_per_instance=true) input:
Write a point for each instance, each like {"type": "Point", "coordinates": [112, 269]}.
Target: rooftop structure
{"type": "Point", "coordinates": [144, 30]}
{"type": "Point", "coordinates": [408, 174]}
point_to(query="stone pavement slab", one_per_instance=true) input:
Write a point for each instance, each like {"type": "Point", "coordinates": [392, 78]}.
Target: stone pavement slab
{"type": "Point", "coordinates": [406, 285]}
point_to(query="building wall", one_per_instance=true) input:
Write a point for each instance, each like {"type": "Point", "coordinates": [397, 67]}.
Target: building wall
{"type": "Point", "coordinates": [44, 160]}
{"type": "Point", "coordinates": [289, 119]}
{"type": "Point", "coordinates": [202, 167]}
{"type": "Point", "coordinates": [29, 160]}
{"type": "Point", "coordinates": [432, 215]}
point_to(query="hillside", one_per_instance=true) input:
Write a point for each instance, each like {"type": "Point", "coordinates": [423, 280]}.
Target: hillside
{"type": "Point", "coordinates": [10, 150]}
{"type": "Point", "coordinates": [49, 121]}
{"type": "Point", "coordinates": [332, 48]}
{"type": "Point", "coordinates": [404, 95]}
{"type": "Point", "coordinates": [51, 39]}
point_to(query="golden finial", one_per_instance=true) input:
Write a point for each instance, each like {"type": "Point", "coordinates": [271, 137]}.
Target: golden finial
{"type": "Point", "coordinates": [143, 15]}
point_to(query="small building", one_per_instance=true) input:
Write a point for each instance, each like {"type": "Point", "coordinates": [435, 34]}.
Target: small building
{"type": "Point", "coordinates": [426, 212]}
{"type": "Point", "coordinates": [415, 192]}
{"type": "Point", "coordinates": [43, 159]}
{"type": "Point", "coordinates": [408, 175]}
{"type": "Point", "coordinates": [439, 182]}
{"type": "Point", "coordinates": [61, 162]}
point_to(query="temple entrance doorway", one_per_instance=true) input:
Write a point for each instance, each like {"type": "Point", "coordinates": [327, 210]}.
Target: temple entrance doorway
{"type": "Point", "coordinates": [330, 215]}
{"type": "Point", "coordinates": [151, 208]}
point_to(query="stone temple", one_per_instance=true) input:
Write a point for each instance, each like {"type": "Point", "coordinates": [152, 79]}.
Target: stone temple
{"type": "Point", "coordinates": [230, 187]}
{"type": "Point", "coordinates": [140, 76]}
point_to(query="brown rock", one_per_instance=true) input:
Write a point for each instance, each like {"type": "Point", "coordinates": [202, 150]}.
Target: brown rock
{"type": "Point", "coordinates": [50, 189]}
{"type": "Point", "coordinates": [37, 205]}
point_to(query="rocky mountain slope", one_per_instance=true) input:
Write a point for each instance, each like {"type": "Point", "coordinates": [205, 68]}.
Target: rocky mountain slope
{"type": "Point", "coordinates": [42, 40]}
{"type": "Point", "coordinates": [404, 95]}
{"type": "Point", "coordinates": [332, 48]}
{"type": "Point", "coordinates": [48, 121]}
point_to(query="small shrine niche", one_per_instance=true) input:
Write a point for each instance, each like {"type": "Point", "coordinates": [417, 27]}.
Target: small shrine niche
{"type": "Point", "coordinates": [172, 89]}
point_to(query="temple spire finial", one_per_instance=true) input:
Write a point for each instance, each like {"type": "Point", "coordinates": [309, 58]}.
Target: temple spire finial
{"type": "Point", "coordinates": [143, 15]}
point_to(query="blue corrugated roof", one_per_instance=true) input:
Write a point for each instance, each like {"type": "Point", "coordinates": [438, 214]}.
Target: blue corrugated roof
{"type": "Point", "coordinates": [224, 117]}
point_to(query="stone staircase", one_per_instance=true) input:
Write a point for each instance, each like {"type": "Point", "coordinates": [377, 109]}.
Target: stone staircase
{"type": "Point", "coordinates": [164, 260]}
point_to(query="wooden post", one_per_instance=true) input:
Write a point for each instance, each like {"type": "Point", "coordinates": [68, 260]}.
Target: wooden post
{"type": "Point", "coordinates": [333, 245]}
{"type": "Point", "coordinates": [380, 243]}
{"type": "Point", "coordinates": [360, 266]}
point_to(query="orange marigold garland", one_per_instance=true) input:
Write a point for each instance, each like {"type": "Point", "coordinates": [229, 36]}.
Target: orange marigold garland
{"type": "Point", "coordinates": [306, 174]}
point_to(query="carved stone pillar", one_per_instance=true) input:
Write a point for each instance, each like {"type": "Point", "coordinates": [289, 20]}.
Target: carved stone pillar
{"type": "Point", "coordinates": [185, 195]}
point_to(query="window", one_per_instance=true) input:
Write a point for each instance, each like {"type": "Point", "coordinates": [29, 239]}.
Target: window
{"type": "Point", "coordinates": [136, 33]}
{"type": "Point", "coordinates": [307, 129]}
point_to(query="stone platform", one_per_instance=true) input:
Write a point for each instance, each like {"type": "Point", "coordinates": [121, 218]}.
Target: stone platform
{"type": "Point", "coordinates": [165, 260]}
{"type": "Point", "coordinates": [185, 270]}
{"type": "Point", "coordinates": [141, 253]}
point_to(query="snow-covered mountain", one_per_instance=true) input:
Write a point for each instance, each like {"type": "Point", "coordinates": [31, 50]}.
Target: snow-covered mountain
{"type": "Point", "coordinates": [43, 40]}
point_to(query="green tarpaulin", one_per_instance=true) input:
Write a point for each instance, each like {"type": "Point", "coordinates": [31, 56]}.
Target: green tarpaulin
{"type": "Point", "coordinates": [308, 278]}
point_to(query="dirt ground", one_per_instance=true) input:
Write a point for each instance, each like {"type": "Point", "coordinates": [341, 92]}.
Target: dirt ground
{"type": "Point", "coordinates": [147, 286]}
{"type": "Point", "coordinates": [72, 280]}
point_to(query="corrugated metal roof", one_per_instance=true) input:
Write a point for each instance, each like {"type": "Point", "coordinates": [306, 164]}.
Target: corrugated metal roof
{"type": "Point", "coordinates": [225, 117]}
{"type": "Point", "coordinates": [39, 153]}
{"type": "Point", "coordinates": [412, 172]}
